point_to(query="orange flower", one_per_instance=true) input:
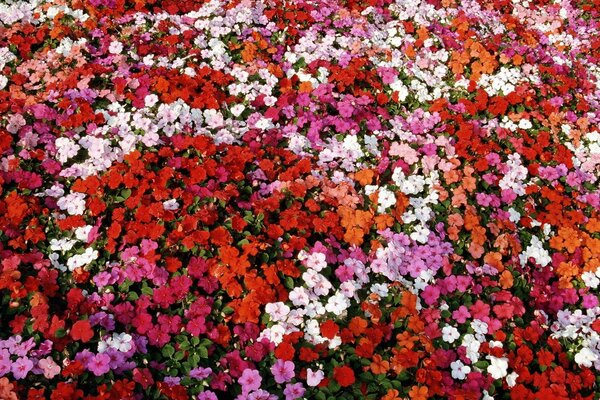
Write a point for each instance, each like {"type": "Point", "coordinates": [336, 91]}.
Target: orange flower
{"type": "Point", "coordinates": [392, 394]}
{"type": "Point", "coordinates": [379, 365]}
{"type": "Point", "coordinates": [418, 393]}
{"type": "Point", "coordinates": [364, 177]}
{"type": "Point", "coordinates": [506, 279]}
{"type": "Point", "coordinates": [357, 325]}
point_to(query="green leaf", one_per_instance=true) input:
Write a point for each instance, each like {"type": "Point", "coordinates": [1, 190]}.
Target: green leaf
{"type": "Point", "coordinates": [168, 350]}
{"type": "Point", "coordinates": [132, 296]}
{"type": "Point", "coordinates": [147, 290]}
{"type": "Point", "coordinates": [60, 332]}
{"type": "Point", "coordinates": [203, 352]}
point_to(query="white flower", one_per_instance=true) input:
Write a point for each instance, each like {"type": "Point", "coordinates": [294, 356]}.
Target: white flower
{"type": "Point", "coordinates": [322, 287]}
{"type": "Point", "coordinates": [115, 47]}
{"type": "Point", "coordinates": [3, 81]}
{"type": "Point", "coordinates": [314, 309]}
{"type": "Point", "coordinates": [299, 297]}
{"type": "Point", "coordinates": [337, 303]}
{"type": "Point", "coordinates": [150, 100]}
{"type": "Point", "coordinates": [74, 203]}
{"type": "Point", "coordinates": [277, 311]}
{"type": "Point", "coordinates": [385, 198]}
{"type": "Point", "coordinates": [590, 279]}
{"type": "Point", "coordinates": [380, 288]}
{"type": "Point", "coordinates": [472, 345]}
{"type": "Point", "coordinates": [525, 124]}
{"type": "Point", "coordinates": [450, 334]}
{"type": "Point", "coordinates": [511, 379]}
{"type": "Point", "coordinates": [65, 149]}
{"type": "Point", "coordinates": [420, 234]}
{"type": "Point", "coordinates": [82, 233]}
{"type": "Point", "coordinates": [585, 357]}
{"type": "Point", "coordinates": [238, 109]}
{"type": "Point", "coordinates": [171, 205]}
{"type": "Point", "coordinates": [459, 370]}
{"type": "Point", "coordinates": [81, 260]}
{"type": "Point", "coordinates": [498, 368]}
{"type": "Point", "coordinates": [274, 334]}
{"type": "Point", "coordinates": [121, 342]}
{"type": "Point", "coordinates": [316, 261]}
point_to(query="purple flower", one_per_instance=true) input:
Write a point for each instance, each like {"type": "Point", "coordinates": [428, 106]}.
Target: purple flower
{"type": "Point", "coordinates": [283, 371]}
{"type": "Point", "coordinates": [207, 395]}
{"type": "Point", "coordinates": [99, 364]}
{"type": "Point", "coordinates": [261, 395]}
{"type": "Point", "coordinates": [250, 380]}
{"type": "Point", "coordinates": [172, 380]}
{"type": "Point", "coordinates": [294, 391]}
{"type": "Point", "coordinates": [200, 373]}
{"type": "Point", "coordinates": [5, 362]}
{"type": "Point", "coordinates": [21, 367]}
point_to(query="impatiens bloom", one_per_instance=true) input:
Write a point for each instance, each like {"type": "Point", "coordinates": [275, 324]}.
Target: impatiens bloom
{"type": "Point", "coordinates": [383, 199]}
{"type": "Point", "coordinates": [313, 378]}
{"type": "Point", "coordinates": [21, 367]}
{"type": "Point", "coordinates": [99, 364]}
{"type": "Point", "coordinates": [49, 367]}
{"type": "Point", "coordinates": [344, 375]}
{"type": "Point", "coordinates": [459, 370]}
{"type": "Point", "coordinates": [250, 380]}
{"type": "Point", "coordinates": [498, 367]}
{"type": "Point", "coordinates": [283, 371]}
{"type": "Point", "coordinates": [294, 391]}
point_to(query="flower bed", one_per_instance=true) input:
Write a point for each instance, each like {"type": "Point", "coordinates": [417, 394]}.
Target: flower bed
{"type": "Point", "coordinates": [310, 199]}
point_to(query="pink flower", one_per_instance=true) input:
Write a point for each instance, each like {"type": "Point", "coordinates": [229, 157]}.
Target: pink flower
{"type": "Point", "coordinates": [346, 109]}
{"type": "Point", "coordinates": [49, 367]}
{"type": "Point", "coordinates": [99, 364]}
{"type": "Point", "coordinates": [250, 380]}
{"type": "Point", "coordinates": [283, 371]}
{"type": "Point", "coordinates": [21, 367]}
{"type": "Point", "coordinates": [461, 314]}
{"type": "Point", "coordinates": [314, 378]}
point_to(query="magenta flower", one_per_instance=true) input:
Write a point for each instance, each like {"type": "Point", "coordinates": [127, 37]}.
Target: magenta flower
{"type": "Point", "coordinates": [21, 367]}
{"type": "Point", "coordinates": [250, 380]}
{"type": "Point", "coordinates": [283, 371]}
{"type": "Point", "coordinates": [99, 364]}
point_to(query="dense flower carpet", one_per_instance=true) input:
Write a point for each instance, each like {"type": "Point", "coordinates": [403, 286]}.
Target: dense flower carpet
{"type": "Point", "coordinates": [309, 199]}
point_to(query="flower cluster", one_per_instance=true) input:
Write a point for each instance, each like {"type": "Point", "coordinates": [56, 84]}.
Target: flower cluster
{"type": "Point", "coordinates": [370, 199]}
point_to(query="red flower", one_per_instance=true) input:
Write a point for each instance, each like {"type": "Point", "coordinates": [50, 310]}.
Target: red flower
{"type": "Point", "coordinates": [344, 376]}
{"type": "Point", "coordinates": [82, 330]}
{"type": "Point", "coordinates": [329, 329]}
